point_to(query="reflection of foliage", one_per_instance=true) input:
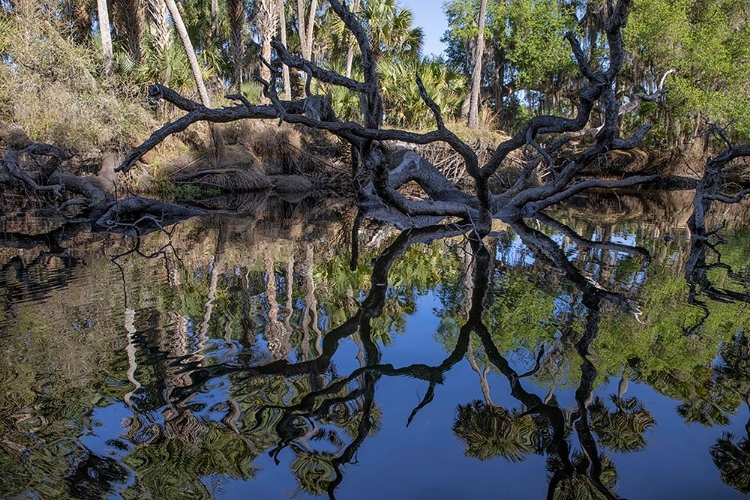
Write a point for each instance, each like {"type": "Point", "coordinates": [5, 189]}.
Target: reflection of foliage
{"type": "Point", "coordinates": [491, 431]}
{"type": "Point", "coordinates": [732, 458]}
{"type": "Point", "coordinates": [578, 485]}
{"type": "Point", "coordinates": [623, 429]}
{"type": "Point", "coordinates": [94, 477]}
{"type": "Point", "coordinates": [707, 410]}
{"type": "Point", "coordinates": [731, 454]}
{"type": "Point", "coordinates": [521, 306]}
{"type": "Point", "coordinates": [314, 471]}
{"type": "Point", "coordinates": [173, 468]}
{"type": "Point", "coordinates": [316, 408]}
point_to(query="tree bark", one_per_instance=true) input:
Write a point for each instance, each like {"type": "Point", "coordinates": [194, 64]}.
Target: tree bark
{"type": "Point", "coordinates": [189, 51]}
{"type": "Point", "coordinates": [267, 21]}
{"type": "Point", "coordinates": [476, 75]}
{"type": "Point", "coordinates": [382, 171]}
{"type": "Point", "coordinates": [305, 29]}
{"type": "Point", "coordinates": [158, 15]}
{"type": "Point", "coordinates": [236, 21]}
{"type": "Point", "coordinates": [284, 69]}
{"type": "Point", "coordinates": [218, 142]}
{"type": "Point", "coordinates": [129, 20]}
{"type": "Point", "coordinates": [106, 35]}
{"type": "Point", "coordinates": [350, 50]}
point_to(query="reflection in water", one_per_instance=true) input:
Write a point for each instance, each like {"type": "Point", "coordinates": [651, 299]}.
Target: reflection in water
{"type": "Point", "coordinates": [730, 454]}
{"type": "Point", "coordinates": [184, 367]}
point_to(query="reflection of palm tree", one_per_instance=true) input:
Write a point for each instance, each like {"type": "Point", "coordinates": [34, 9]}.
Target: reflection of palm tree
{"type": "Point", "coordinates": [314, 471]}
{"type": "Point", "coordinates": [731, 454]}
{"type": "Point", "coordinates": [621, 430]}
{"type": "Point", "coordinates": [578, 484]}
{"type": "Point", "coordinates": [732, 458]}
{"type": "Point", "coordinates": [704, 410]}
{"type": "Point", "coordinates": [490, 431]}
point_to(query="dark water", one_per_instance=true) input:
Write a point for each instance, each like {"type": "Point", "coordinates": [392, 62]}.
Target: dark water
{"type": "Point", "coordinates": [599, 354]}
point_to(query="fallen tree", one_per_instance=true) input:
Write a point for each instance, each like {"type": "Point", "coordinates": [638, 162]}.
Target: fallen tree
{"type": "Point", "coordinates": [379, 167]}
{"type": "Point", "coordinates": [81, 202]}
{"type": "Point", "coordinates": [379, 170]}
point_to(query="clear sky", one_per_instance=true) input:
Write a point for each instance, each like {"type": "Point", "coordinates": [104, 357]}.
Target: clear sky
{"type": "Point", "coordinates": [429, 15]}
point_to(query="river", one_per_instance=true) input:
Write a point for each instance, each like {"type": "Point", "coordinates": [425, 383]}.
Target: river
{"type": "Point", "coordinates": [298, 351]}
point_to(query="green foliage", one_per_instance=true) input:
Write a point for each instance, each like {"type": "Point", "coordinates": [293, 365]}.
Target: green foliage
{"type": "Point", "coordinates": [193, 192]}
{"type": "Point", "coordinates": [708, 46]}
{"type": "Point", "coordinates": [525, 48]}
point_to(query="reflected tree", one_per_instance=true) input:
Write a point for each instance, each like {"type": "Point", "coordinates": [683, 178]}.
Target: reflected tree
{"type": "Point", "coordinates": [623, 429]}
{"type": "Point", "coordinates": [490, 431]}
{"type": "Point", "coordinates": [731, 453]}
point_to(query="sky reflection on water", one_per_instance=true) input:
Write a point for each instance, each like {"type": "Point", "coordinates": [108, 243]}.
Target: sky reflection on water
{"type": "Point", "coordinates": [191, 374]}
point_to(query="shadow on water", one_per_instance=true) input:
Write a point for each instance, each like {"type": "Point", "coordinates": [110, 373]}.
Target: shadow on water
{"type": "Point", "coordinates": [217, 353]}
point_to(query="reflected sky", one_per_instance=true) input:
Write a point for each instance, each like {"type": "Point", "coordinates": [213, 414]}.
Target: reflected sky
{"type": "Point", "coordinates": [232, 364]}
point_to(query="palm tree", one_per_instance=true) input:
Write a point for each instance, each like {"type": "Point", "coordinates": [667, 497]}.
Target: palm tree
{"type": "Point", "coordinates": [305, 27]}
{"type": "Point", "coordinates": [350, 48]}
{"type": "Point", "coordinates": [284, 68]}
{"type": "Point", "coordinates": [390, 29]}
{"type": "Point", "coordinates": [103, 12]}
{"type": "Point", "coordinates": [236, 13]}
{"type": "Point", "coordinates": [731, 454]}
{"type": "Point", "coordinates": [158, 22]}
{"type": "Point", "coordinates": [79, 14]}
{"type": "Point", "coordinates": [188, 46]}
{"type": "Point", "coordinates": [128, 17]}
{"type": "Point", "coordinates": [732, 457]}
{"type": "Point", "coordinates": [179, 25]}
{"type": "Point", "coordinates": [267, 21]}
{"type": "Point", "coordinates": [314, 471]}
{"type": "Point", "coordinates": [574, 483]}
{"type": "Point", "coordinates": [476, 75]}
{"type": "Point", "coordinates": [704, 409]}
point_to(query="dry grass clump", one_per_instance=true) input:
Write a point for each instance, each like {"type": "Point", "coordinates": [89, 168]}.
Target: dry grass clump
{"type": "Point", "coordinates": [79, 122]}
{"type": "Point", "coordinates": [238, 171]}
{"type": "Point", "coordinates": [226, 180]}
{"type": "Point", "coordinates": [52, 88]}
{"type": "Point", "coordinates": [279, 148]}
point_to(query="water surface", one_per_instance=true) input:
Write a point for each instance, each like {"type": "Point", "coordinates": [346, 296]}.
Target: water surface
{"type": "Point", "coordinates": [596, 353]}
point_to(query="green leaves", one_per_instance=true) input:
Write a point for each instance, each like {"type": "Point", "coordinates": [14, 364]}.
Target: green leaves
{"type": "Point", "coordinates": [708, 46]}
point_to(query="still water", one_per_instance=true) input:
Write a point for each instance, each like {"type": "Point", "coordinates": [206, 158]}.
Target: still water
{"type": "Point", "coordinates": [300, 351]}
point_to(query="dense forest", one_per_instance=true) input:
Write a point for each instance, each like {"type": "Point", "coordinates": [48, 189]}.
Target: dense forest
{"type": "Point", "coordinates": [68, 81]}
{"type": "Point", "coordinates": [570, 90]}
{"type": "Point", "coordinates": [248, 337]}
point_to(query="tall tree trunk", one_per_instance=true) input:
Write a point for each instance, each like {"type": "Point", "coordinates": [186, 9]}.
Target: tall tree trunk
{"type": "Point", "coordinates": [284, 67]}
{"type": "Point", "coordinates": [214, 18]}
{"type": "Point", "coordinates": [476, 75]}
{"type": "Point", "coordinates": [79, 12]}
{"type": "Point", "coordinates": [103, 12]}
{"type": "Point", "coordinates": [236, 21]}
{"type": "Point", "coordinates": [189, 51]}
{"type": "Point", "coordinates": [267, 20]}
{"type": "Point", "coordinates": [305, 29]}
{"type": "Point", "coordinates": [158, 17]}
{"type": "Point", "coordinates": [500, 83]}
{"type": "Point", "coordinates": [350, 50]}
{"type": "Point", "coordinates": [128, 18]}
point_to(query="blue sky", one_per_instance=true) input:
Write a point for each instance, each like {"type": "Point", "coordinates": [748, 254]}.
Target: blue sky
{"type": "Point", "coordinates": [429, 15]}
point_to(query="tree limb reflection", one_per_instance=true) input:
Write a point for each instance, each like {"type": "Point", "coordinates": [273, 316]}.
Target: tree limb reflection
{"type": "Point", "coordinates": [242, 369]}
{"type": "Point", "coordinates": [348, 402]}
